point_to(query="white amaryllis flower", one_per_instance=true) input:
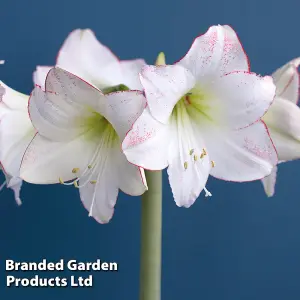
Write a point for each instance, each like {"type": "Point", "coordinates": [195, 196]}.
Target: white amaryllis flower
{"type": "Point", "coordinates": [16, 132]}
{"type": "Point", "coordinates": [83, 55]}
{"type": "Point", "coordinates": [79, 133]}
{"type": "Point", "coordinates": [203, 117]}
{"type": "Point", "coordinates": [283, 119]}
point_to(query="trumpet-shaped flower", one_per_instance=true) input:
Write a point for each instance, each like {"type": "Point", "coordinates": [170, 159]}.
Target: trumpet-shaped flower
{"type": "Point", "coordinates": [84, 56]}
{"type": "Point", "coordinates": [16, 132]}
{"type": "Point", "coordinates": [78, 141]}
{"type": "Point", "coordinates": [204, 117]}
{"type": "Point", "coordinates": [283, 119]}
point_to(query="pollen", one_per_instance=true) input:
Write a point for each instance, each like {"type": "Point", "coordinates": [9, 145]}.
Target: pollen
{"type": "Point", "coordinates": [75, 170]}
{"type": "Point", "coordinates": [191, 151]}
{"type": "Point", "coordinates": [204, 151]}
{"type": "Point", "coordinates": [213, 164]}
{"type": "Point", "coordinates": [93, 181]}
{"type": "Point", "coordinates": [60, 180]}
{"type": "Point", "coordinates": [195, 157]}
{"type": "Point", "coordinates": [185, 165]}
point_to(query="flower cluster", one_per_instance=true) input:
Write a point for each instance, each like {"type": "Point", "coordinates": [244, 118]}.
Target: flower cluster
{"type": "Point", "coordinates": [96, 122]}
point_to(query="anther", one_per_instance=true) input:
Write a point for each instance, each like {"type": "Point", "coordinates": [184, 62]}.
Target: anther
{"type": "Point", "coordinates": [60, 180]}
{"type": "Point", "coordinates": [75, 170]}
{"type": "Point", "coordinates": [204, 151]}
{"type": "Point", "coordinates": [213, 164]}
{"type": "Point", "coordinates": [202, 155]}
{"type": "Point", "coordinates": [76, 184]}
{"type": "Point", "coordinates": [93, 181]}
{"type": "Point", "coordinates": [195, 157]}
{"type": "Point", "coordinates": [185, 164]}
{"type": "Point", "coordinates": [191, 151]}
{"type": "Point", "coordinates": [89, 166]}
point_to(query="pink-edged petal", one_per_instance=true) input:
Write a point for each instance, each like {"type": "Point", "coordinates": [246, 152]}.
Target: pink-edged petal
{"type": "Point", "coordinates": [58, 112]}
{"type": "Point", "coordinates": [46, 162]}
{"type": "Point", "coordinates": [164, 86]}
{"type": "Point", "coordinates": [283, 121]}
{"type": "Point", "coordinates": [13, 99]}
{"type": "Point", "coordinates": [122, 109]}
{"type": "Point", "coordinates": [240, 155]}
{"type": "Point", "coordinates": [286, 80]}
{"type": "Point", "coordinates": [40, 74]}
{"type": "Point", "coordinates": [83, 55]}
{"type": "Point", "coordinates": [240, 99]}
{"type": "Point", "coordinates": [215, 53]}
{"type": "Point", "coordinates": [269, 182]}
{"type": "Point", "coordinates": [130, 73]}
{"type": "Point", "coordinates": [147, 143]}
{"type": "Point", "coordinates": [16, 132]}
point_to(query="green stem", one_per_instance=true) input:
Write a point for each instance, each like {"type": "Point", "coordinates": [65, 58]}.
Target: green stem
{"type": "Point", "coordinates": [150, 273]}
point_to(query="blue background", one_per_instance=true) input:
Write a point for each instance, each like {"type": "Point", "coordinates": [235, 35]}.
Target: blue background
{"type": "Point", "coordinates": [236, 245]}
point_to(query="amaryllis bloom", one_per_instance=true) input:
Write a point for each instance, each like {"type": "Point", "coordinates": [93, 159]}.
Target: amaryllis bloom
{"type": "Point", "coordinates": [83, 55]}
{"type": "Point", "coordinates": [79, 141]}
{"type": "Point", "coordinates": [283, 118]}
{"type": "Point", "coordinates": [16, 132]}
{"type": "Point", "coordinates": [204, 117]}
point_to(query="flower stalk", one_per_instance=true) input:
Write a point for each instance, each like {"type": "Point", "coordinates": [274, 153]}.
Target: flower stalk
{"type": "Point", "coordinates": [151, 232]}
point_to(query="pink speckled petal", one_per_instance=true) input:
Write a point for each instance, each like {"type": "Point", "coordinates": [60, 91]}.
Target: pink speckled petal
{"type": "Point", "coordinates": [286, 80]}
{"type": "Point", "coordinates": [269, 182]}
{"type": "Point", "coordinates": [240, 155]}
{"type": "Point", "coordinates": [240, 99]}
{"type": "Point", "coordinates": [148, 142]}
{"type": "Point", "coordinates": [122, 109]}
{"type": "Point", "coordinates": [215, 53]}
{"type": "Point", "coordinates": [164, 86]}
{"type": "Point", "coordinates": [58, 113]}
{"type": "Point", "coordinates": [83, 55]}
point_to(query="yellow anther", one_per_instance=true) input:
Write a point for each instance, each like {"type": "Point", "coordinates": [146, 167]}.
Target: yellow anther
{"type": "Point", "coordinates": [75, 170]}
{"type": "Point", "coordinates": [89, 166]}
{"type": "Point", "coordinates": [202, 155]}
{"type": "Point", "coordinates": [93, 181]}
{"type": "Point", "coordinates": [195, 157]}
{"type": "Point", "coordinates": [60, 180]}
{"type": "Point", "coordinates": [213, 164]}
{"type": "Point", "coordinates": [185, 165]}
{"type": "Point", "coordinates": [204, 151]}
{"type": "Point", "coordinates": [76, 184]}
{"type": "Point", "coordinates": [191, 151]}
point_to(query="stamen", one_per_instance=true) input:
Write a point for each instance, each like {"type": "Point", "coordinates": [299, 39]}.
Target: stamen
{"type": "Point", "coordinates": [185, 165]}
{"type": "Point", "coordinates": [191, 151]}
{"type": "Point", "coordinates": [202, 155]}
{"type": "Point", "coordinates": [204, 151]}
{"type": "Point", "coordinates": [207, 193]}
{"type": "Point", "coordinates": [89, 166]}
{"type": "Point", "coordinates": [93, 181]}
{"type": "Point", "coordinates": [195, 157]}
{"type": "Point", "coordinates": [75, 170]}
{"type": "Point", "coordinates": [61, 181]}
{"type": "Point", "coordinates": [76, 184]}
{"type": "Point", "coordinates": [213, 164]}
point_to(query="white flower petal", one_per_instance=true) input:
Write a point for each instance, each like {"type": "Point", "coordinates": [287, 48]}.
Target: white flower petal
{"type": "Point", "coordinates": [164, 86]}
{"type": "Point", "coordinates": [122, 109]}
{"type": "Point", "coordinates": [240, 155]}
{"type": "Point", "coordinates": [13, 99]}
{"type": "Point", "coordinates": [16, 132]}
{"type": "Point", "coordinates": [100, 198]}
{"type": "Point", "coordinates": [269, 182]}
{"type": "Point", "coordinates": [130, 73]}
{"type": "Point", "coordinates": [286, 80]}
{"type": "Point", "coordinates": [283, 121]}
{"type": "Point", "coordinates": [131, 178]}
{"type": "Point", "coordinates": [83, 55]}
{"type": "Point", "coordinates": [147, 143]}
{"type": "Point", "coordinates": [14, 183]}
{"type": "Point", "coordinates": [240, 99]}
{"type": "Point", "coordinates": [40, 74]}
{"type": "Point", "coordinates": [215, 53]}
{"type": "Point", "coordinates": [46, 161]}
{"type": "Point", "coordinates": [58, 115]}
